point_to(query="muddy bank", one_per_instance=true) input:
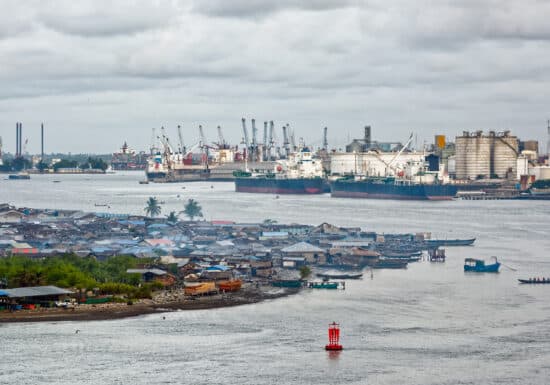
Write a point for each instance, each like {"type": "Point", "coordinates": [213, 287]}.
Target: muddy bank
{"type": "Point", "coordinates": [161, 302]}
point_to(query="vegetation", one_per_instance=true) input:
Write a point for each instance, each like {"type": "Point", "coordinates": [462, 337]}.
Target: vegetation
{"type": "Point", "coordinates": [70, 271]}
{"type": "Point", "coordinates": [269, 222]}
{"type": "Point", "coordinates": [17, 164]}
{"type": "Point", "coordinates": [96, 163]}
{"type": "Point", "coordinates": [192, 209]}
{"type": "Point", "coordinates": [152, 207]}
{"type": "Point", "coordinates": [41, 166]}
{"type": "Point", "coordinates": [172, 217]}
{"type": "Point", "coordinates": [65, 163]}
{"type": "Point", "coordinates": [305, 272]}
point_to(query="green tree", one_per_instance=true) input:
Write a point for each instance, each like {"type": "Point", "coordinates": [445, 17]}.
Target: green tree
{"type": "Point", "coordinates": [269, 222]}
{"type": "Point", "coordinates": [96, 163]}
{"type": "Point", "coordinates": [152, 208]}
{"type": "Point", "coordinates": [192, 209]}
{"type": "Point", "coordinates": [65, 163]}
{"type": "Point", "coordinates": [305, 272]}
{"type": "Point", "coordinates": [172, 217]}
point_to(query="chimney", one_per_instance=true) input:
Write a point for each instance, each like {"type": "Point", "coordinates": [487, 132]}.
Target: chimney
{"type": "Point", "coordinates": [16, 139]}
{"type": "Point", "coordinates": [42, 142]}
{"type": "Point", "coordinates": [367, 136]}
{"type": "Point", "coordinates": [20, 139]}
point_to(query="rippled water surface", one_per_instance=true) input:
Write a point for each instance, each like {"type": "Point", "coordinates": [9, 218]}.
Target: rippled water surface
{"type": "Point", "coordinates": [428, 324]}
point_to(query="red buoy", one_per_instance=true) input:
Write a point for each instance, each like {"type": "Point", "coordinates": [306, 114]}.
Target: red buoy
{"type": "Point", "coordinates": [333, 337]}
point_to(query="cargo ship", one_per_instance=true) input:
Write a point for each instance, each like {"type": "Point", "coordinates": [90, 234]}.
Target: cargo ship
{"type": "Point", "coordinates": [391, 188]}
{"type": "Point", "coordinates": [300, 174]}
{"type": "Point", "coordinates": [128, 159]}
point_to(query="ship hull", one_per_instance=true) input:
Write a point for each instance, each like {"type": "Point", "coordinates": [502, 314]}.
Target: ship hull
{"type": "Point", "coordinates": [368, 190]}
{"type": "Point", "coordinates": [279, 186]}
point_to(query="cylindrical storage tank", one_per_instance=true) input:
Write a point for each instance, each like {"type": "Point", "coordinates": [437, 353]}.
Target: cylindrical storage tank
{"type": "Point", "coordinates": [473, 155]}
{"type": "Point", "coordinates": [505, 156]}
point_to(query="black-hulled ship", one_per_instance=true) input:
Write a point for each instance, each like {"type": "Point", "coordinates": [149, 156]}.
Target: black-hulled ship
{"type": "Point", "coordinates": [391, 188]}
{"type": "Point", "coordinates": [300, 174]}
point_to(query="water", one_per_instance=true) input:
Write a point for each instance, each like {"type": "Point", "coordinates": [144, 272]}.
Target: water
{"type": "Point", "coordinates": [429, 324]}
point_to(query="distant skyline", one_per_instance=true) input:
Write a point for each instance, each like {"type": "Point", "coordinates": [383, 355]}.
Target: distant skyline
{"type": "Point", "coordinates": [99, 73]}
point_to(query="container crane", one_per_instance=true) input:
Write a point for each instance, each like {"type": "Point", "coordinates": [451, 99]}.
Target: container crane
{"type": "Point", "coordinates": [254, 146]}
{"type": "Point", "coordinates": [180, 137]}
{"type": "Point", "coordinates": [221, 139]}
{"type": "Point", "coordinates": [270, 145]}
{"type": "Point", "coordinates": [285, 141]}
{"type": "Point", "coordinates": [292, 138]}
{"type": "Point", "coordinates": [245, 133]}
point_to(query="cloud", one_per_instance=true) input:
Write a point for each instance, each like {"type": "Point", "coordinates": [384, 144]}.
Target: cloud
{"type": "Point", "coordinates": [260, 8]}
{"type": "Point", "coordinates": [102, 18]}
{"type": "Point", "coordinates": [128, 66]}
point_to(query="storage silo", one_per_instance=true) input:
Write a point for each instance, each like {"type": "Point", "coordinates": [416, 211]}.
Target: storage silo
{"type": "Point", "coordinates": [505, 155]}
{"type": "Point", "coordinates": [472, 155]}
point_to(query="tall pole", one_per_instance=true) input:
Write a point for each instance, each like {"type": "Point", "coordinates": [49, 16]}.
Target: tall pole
{"type": "Point", "coordinates": [42, 143]}
{"type": "Point", "coordinates": [548, 142]}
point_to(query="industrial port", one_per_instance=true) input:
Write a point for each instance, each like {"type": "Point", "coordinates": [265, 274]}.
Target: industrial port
{"type": "Point", "coordinates": [476, 165]}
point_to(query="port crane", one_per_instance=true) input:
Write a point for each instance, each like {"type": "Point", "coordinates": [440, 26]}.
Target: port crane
{"type": "Point", "coordinates": [221, 140]}
{"type": "Point", "coordinates": [270, 145]}
{"type": "Point", "coordinates": [264, 157]}
{"type": "Point", "coordinates": [245, 133]}
{"type": "Point", "coordinates": [285, 140]}
{"type": "Point", "coordinates": [254, 146]}
{"type": "Point", "coordinates": [180, 136]}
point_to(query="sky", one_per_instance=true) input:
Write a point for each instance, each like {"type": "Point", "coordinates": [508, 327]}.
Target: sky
{"type": "Point", "coordinates": [98, 72]}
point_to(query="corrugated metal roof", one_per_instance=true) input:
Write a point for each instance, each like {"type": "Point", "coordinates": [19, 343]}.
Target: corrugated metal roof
{"type": "Point", "coordinates": [302, 247]}
{"type": "Point", "coordinates": [143, 271]}
{"type": "Point", "coordinates": [36, 291]}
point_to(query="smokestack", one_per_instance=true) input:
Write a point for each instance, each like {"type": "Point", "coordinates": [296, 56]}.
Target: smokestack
{"type": "Point", "coordinates": [16, 139]}
{"type": "Point", "coordinates": [42, 142]}
{"type": "Point", "coordinates": [367, 136]}
{"type": "Point", "coordinates": [548, 143]}
{"type": "Point", "coordinates": [20, 139]}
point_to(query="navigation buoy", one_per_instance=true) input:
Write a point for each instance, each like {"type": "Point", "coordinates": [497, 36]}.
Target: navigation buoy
{"type": "Point", "coordinates": [333, 337]}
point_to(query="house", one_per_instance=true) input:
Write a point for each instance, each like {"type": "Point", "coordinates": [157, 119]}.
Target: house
{"type": "Point", "coordinates": [11, 216]}
{"type": "Point", "coordinates": [217, 272]}
{"type": "Point", "coordinates": [154, 275]}
{"type": "Point", "coordinates": [312, 254]}
{"type": "Point", "coordinates": [33, 295]}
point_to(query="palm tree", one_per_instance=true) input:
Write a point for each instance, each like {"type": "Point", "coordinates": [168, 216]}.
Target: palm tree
{"type": "Point", "coordinates": [192, 209]}
{"type": "Point", "coordinates": [172, 217]}
{"type": "Point", "coordinates": [152, 207]}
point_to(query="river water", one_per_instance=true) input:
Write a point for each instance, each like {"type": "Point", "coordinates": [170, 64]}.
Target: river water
{"type": "Point", "coordinates": [428, 324]}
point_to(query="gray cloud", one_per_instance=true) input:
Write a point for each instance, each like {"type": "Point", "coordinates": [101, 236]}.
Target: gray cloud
{"type": "Point", "coordinates": [112, 71]}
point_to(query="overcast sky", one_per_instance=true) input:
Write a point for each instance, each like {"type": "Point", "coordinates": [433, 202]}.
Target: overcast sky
{"type": "Point", "coordinates": [101, 72]}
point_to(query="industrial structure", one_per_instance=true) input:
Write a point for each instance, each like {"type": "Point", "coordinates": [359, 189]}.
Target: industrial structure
{"type": "Point", "coordinates": [480, 156]}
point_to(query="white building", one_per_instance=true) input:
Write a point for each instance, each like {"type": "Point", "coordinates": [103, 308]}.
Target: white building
{"type": "Point", "coordinates": [372, 163]}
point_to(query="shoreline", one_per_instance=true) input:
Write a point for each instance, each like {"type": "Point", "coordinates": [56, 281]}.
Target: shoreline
{"type": "Point", "coordinates": [112, 311]}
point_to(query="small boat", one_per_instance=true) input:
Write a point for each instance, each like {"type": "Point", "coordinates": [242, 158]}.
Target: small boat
{"type": "Point", "coordinates": [101, 205]}
{"type": "Point", "coordinates": [56, 181]}
{"type": "Point", "coordinates": [19, 176]}
{"type": "Point", "coordinates": [287, 283]}
{"type": "Point", "coordinates": [340, 275]}
{"type": "Point", "coordinates": [450, 242]}
{"type": "Point", "coordinates": [479, 266]}
{"type": "Point", "coordinates": [535, 281]}
{"type": "Point", "coordinates": [143, 182]}
{"type": "Point", "coordinates": [323, 285]}
{"type": "Point", "coordinates": [232, 285]}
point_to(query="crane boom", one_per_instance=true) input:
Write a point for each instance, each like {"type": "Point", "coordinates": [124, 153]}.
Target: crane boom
{"type": "Point", "coordinates": [390, 164]}
{"type": "Point", "coordinates": [270, 144]}
{"type": "Point", "coordinates": [221, 140]}
{"type": "Point", "coordinates": [245, 133]}
{"type": "Point", "coordinates": [285, 140]}
{"type": "Point", "coordinates": [180, 136]}
{"type": "Point", "coordinates": [202, 137]}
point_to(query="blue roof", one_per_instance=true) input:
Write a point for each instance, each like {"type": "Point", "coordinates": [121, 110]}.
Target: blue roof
{"type": "Point", "coordinates": [219, 267]}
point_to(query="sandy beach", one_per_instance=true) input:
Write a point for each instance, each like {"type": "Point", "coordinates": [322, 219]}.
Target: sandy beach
{"type": "Point", "coordinates": [162, 302]}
